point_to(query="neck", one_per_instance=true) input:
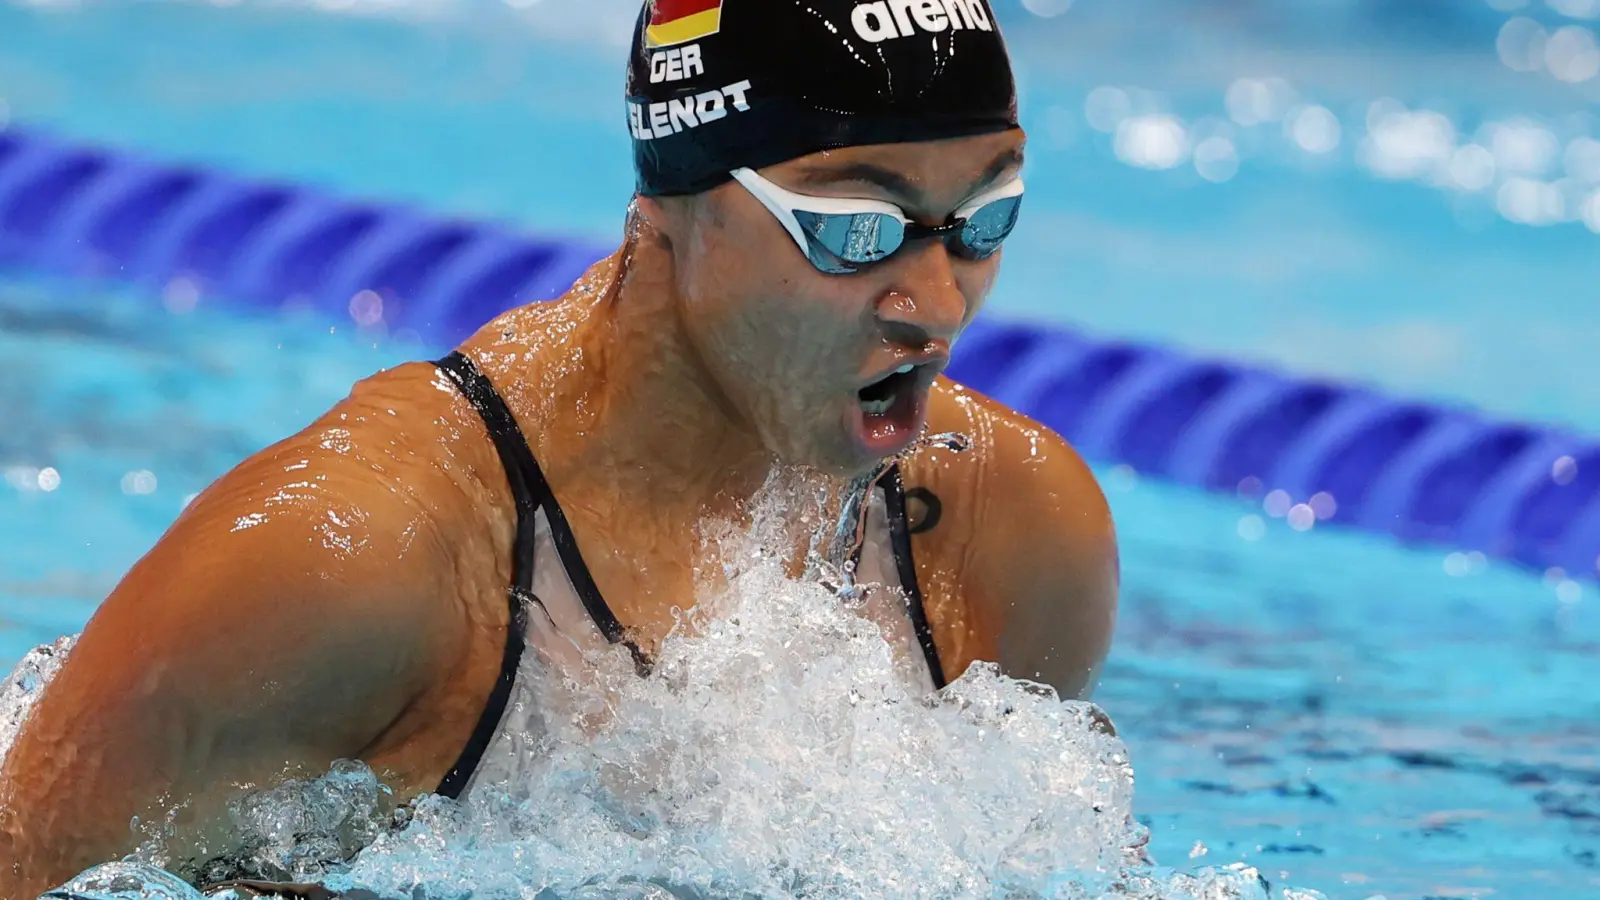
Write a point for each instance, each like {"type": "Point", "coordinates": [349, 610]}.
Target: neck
{"type": "Point", "coordinates": [653, 430]}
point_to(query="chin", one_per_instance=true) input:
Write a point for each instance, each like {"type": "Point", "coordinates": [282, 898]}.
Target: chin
{"type": "Point", "coordinates": [843, 460]}
{"type": "Point", "coordinates": [814, 452]}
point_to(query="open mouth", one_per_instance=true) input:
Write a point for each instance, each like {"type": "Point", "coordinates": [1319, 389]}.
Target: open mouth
{"type": "Point", "coordinates": [892, 409]}
{"type": "Point", "coordinates": [879, 397]}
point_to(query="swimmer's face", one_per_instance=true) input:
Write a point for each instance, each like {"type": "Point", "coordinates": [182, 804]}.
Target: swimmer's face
{"type": "Point", "coordinates": [799, 354]}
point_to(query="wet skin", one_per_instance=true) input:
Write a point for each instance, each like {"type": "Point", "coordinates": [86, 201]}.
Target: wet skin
{"type": "Point", "coordinates": [342, 593]}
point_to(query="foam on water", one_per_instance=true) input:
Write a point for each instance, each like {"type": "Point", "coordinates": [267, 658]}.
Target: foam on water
{"type": "Point", "coordinates": [778, 751]}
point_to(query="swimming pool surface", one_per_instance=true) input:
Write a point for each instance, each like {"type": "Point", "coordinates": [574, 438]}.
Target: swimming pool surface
{"type": "Point", "coordinates": [1343, 714]}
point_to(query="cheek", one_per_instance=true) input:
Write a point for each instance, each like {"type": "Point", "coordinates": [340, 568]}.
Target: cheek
{"type": "Point", "coordinates": [975, 281]}
{"type": "Point", "coordinates": [783, 334]}
{"type": "Point", "coordinates": [750, 307]}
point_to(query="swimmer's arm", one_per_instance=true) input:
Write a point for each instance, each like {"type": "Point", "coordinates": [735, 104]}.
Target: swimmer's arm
{"type": "Point", "coordinates": [260, 637]}
{"type": "Point", "coordinates": [1049, 559]}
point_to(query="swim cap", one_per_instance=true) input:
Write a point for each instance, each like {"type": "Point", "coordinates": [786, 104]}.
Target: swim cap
{"type": "Point", "coordinates": [715, 85]}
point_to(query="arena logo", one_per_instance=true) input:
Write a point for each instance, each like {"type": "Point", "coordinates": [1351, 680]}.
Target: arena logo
{"type": "Point", "coordinates": [650, 121]}
{"type": "Point", "coordinates": [884, 20]}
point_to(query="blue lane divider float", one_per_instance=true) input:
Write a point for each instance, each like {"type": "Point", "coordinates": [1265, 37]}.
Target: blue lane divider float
{"type": "Point", "coordinates": [1419, 472]}
{"type": "Point", "coordinates": [94, 212]}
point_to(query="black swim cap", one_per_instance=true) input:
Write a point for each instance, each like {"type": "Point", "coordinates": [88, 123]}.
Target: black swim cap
{"type": "Point", "coordinates": [715, 85]}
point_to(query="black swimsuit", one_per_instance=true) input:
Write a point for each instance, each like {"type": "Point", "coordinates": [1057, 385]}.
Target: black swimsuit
{"type": "Point", "coordinates": [554, 607]}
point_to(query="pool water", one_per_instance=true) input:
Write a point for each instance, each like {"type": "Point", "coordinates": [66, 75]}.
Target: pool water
{"type": "Point", "coordinates": [1339, 712]}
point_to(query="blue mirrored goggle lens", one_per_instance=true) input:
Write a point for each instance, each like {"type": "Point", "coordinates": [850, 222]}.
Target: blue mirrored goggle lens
{"type": "Point", "coordinates": [856, 239]}
{"type": "Point", "coordinates": [839, 243]}
{"type": "Point", "coordinates": [988, 228]}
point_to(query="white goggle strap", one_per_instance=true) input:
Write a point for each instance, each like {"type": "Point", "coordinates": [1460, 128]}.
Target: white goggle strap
{"type": "Point", "coordinates": [771, 197]}
{"type": "Point", "coordinates": [1012, 188]}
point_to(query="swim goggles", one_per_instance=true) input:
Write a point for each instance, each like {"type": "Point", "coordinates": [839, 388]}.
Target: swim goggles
{"type": "Point", "coordinates": [839, 236]}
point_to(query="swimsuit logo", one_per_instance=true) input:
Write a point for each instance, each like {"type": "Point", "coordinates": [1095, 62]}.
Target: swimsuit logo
{"type": "Point", "coordinates": [680, 21]}
{"type": "Point", "coordinates": [885, 20]}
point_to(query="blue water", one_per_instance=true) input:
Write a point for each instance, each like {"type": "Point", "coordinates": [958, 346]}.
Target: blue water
{"type": "Point", "coordinates": [1344, 714]}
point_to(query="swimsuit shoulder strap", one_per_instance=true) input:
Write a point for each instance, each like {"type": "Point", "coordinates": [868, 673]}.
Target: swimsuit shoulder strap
{"type": "Point", "coordinates": [894, 496]}
{"type": "Point", "coordinates": [529, 489]}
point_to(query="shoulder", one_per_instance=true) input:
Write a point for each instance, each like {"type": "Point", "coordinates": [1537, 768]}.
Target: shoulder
{"type": "Point", "coordinates": [1027, 515]}
{"type": "Point", "coordinates": [1020, 481]}
{"type": "Point", "coordinates": [291, 614]}
{"type": "Point", "coordinates": [337, 550]}
{"type": "Point", "coordinates": [404, 449]}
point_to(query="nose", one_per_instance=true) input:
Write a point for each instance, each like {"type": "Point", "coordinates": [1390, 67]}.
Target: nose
{"type": "Point", "coordinates": [924, 303]}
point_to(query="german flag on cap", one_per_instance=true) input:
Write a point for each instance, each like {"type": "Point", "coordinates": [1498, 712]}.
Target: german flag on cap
{"type": "Point", "coordinates": [681, 21]}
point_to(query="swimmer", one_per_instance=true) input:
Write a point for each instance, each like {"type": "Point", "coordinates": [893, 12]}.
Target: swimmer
{"type": "Point", "coordinates": [823, 190]}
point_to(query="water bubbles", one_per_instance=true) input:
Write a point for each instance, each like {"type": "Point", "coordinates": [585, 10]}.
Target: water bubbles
{"type": "Point", "coordinates": [1576, 9]}
{"type": "Point", "coordinates": [23, 478]}
{"type": "Point", "coordinates": [1280, 504]}
{"type": "Point", "coordinates": [128, 880]}
{"type": "Point", "coordinates": [1301, 517]}
{"type": "Point", "coordinates": [1581, 159]}
{"type": "Point", "coordinates": [1572, 55]}
{"type": "Point", "coordinates": [1277, 503]}
{"type": "Point", "coordinates": [1522, 146]}
{"type": "Point", "coordinates": [181, 295]}
{"type": "Point", "coordinates": [302, 829]}
{"type": "Point", "coordinates": [48, 479]}
{"type": "Point", "coordinates": [778, 747]}
{"type": "Point", "coordinates": [1564, 470]}
{"type": "Point", "coordinates": [1157, 141]}
{"type": "Point", "coordinates": [1460, 565]}
{"type": "Point", "coordinates": [139, 482]}
{"type": "Point", "coordinates": [1121, 478]}
{"type": "Point", "coordinates": [1216, 160]}
{"type": "Point", "coordinates": [1253, 101]}
{"type": "Point", "coordinates": [1527, 201]}
{"type": "Point", "coordinates": [1314, 128]}
{"type": "Point", "coordinates": [22, 687]}
{"type": "Point", "coordinates": [1589, 211]}
{"type": "Point", "coordinates": [1472, 168]}
{"type": "Point", "coordinates": [1569, 592]}
{"type": "Point", "coordinates": [1521, 44]}
{"type": "Point", "coordinates": [1323, 505]}
{"type": "Point", "coordinates": [1402, 143]}
{"type": "Point", "coordinates": [366, 308]}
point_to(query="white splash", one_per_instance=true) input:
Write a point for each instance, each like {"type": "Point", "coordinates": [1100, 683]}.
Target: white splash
{"type": "Point", "coordinates": [778, 751]}
{"type": "Point", "coordinates": [21, 689]}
